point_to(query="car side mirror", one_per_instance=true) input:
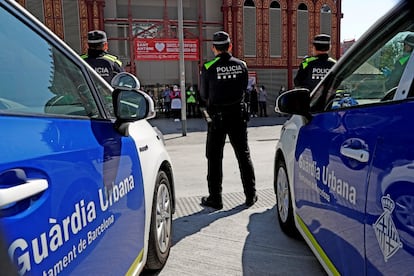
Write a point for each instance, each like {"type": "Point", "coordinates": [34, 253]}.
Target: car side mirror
{"type": "Point", "coordinates": [125, 79]}
{"type": "Point", "coordinates": [296, 101]}
{"type": "Point", "coordinates": [132, 105]}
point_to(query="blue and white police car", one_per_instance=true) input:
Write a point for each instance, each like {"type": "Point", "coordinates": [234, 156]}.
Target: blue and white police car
{"type": "Point", "coordinates": [344, 164]}
{"type": "Point", "coordinates": [86, 184]}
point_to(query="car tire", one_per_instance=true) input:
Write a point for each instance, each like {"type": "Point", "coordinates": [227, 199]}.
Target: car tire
{"type": "Point", "coordinates": [284, 200]}
{"type": "Point", "coordinates": [403, 198]}
{"type": "Point", "coordinates": [160, 236]}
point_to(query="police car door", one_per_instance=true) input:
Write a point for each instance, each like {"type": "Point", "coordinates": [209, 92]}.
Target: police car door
{"type": "Point", "coordinates": [361, 138]}
{"type": "Point", "coordinates": [71, 188]}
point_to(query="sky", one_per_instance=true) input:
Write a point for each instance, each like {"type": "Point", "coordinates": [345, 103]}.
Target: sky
{"type": "Point", "coordinates": [359, 15]}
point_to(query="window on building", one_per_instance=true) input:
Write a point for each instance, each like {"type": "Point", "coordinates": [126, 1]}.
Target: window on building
{"type": "Point", "coordinates": [249, 25]}
{"type": "Point", "coordinates": [249, 3]}
{"type": "Point", "coordinates": [302, 30]}
{"type": "Point", "coordinates": [326, 19]}
{"type": "Point", "coordinates": [36, 8]}
{"type": "Point", "coordinates": [71, 24]}
{"type": "Point", "coordinates": [121, 46]}
{"type": "Point", "coordinates": [275, 29]}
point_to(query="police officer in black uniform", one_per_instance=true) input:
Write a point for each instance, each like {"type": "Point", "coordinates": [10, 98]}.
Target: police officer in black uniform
{"type": "Point", "coordinates": [222, 86]}
{"type": "Point", "coordinates": [97, 57]}
{"type": "Point", "coordinates": [314, 68]}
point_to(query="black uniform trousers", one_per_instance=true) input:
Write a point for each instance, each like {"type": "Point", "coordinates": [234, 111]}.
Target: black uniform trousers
{"type": "Point", "coordinates": [228, 122]}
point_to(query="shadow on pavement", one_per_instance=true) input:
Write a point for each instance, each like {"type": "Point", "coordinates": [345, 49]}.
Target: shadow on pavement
{"type": "Point", "coordinates": [266, 250]}
{"type": "Point", "coordinates": [265, 245]}
{"type": "Point", "coordinates": [189, 225]}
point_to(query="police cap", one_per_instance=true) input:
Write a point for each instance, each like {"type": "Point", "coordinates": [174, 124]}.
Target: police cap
{"type": "Point", "coordinates": [322, 39]}
{"type": "Point", "coordinates": [96, 37]}
{"type": "Point", "coordinates": [409, 40]}
{"type": "Point", "coordinates": [221, 38]}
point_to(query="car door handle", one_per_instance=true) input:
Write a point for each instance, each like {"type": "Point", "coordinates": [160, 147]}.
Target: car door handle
{"type": "Point", "coordinates": [144, 148]}
{"type": "Point", "coordinates": [19, 192]}
{"type": "Point", "coordinates": [360, 155]}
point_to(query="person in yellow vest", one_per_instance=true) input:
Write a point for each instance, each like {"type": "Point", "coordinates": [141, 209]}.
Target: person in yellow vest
{"type": "Point", "coordinates": [400, 64]}
{"type": "Point", "coordinates": [191, 101]}
{"type": "Point", "coordinates": [98, 58]}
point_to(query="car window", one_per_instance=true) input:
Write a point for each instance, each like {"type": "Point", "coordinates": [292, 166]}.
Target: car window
{"type": "Point", "coordinates": [37, 78]}
{"type": "Point", "coordinates": [375, 79]}
{"type": "Point", "coordinates": [105, 93]}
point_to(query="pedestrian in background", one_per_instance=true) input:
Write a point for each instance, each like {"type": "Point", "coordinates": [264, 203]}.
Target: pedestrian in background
{"type": "Point", "coordinates": [247, 98]}
{"type": "Point", "coordinates": [254, 103]}
{"type": "Point", "coordinates": [262, 101]}
{"type": "Point", "coordinates": [176, 103]}
{"type": "Point", "coordinates": [166, 95]}
{"type": "Point", "coordinates": [223, 82]}
{"type": "Point", "coordinates": [99, 59]}
{"type": "Point", "coordinates": [314, 68]}
{"type": "Point", "coordinates": [281, 91]}
{"type": "Point", "coordinates": [191, 101]}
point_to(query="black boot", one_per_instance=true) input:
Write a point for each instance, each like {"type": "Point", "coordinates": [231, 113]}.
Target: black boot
{"type": "Point", "coordinates": [250, 201]}
{"type": "Point", "coordinates": [213, 203]}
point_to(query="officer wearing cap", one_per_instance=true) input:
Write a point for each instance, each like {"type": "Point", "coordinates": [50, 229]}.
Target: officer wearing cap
{"type": "Point", "coordinates": [314, 68]}
{"type": "Point", "coordinates": [223, 84]}
{"type": "Point", "coordinates": [98, 58]}
{"type": "Point", "coordinates": [399, 66]}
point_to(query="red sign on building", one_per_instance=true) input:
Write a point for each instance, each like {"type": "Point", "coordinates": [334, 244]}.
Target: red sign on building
{"type": "Point", "coordinates": [164, 49]}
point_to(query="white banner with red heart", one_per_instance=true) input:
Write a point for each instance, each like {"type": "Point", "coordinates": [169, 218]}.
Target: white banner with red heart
{"type": "Point", "coordinates": [165, 49]}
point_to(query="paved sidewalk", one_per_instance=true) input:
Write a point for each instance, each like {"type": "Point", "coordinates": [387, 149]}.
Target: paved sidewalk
{"type": "Point", "coordinates": [234, 240]}
{"type": "Point", "coordinates": [169, 126]}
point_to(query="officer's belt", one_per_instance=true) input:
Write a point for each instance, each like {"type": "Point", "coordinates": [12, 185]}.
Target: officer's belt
{"type": "Point", "coordinates": [224, 108]}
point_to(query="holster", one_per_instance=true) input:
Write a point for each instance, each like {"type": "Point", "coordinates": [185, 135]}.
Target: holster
{"type": "Point", "coordinates": [244, 113]}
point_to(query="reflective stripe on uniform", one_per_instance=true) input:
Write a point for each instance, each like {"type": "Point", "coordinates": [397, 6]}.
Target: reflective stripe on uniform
{"type": "Point", "coordinates": [190, 97]}
{"type": "Point", "coordinates": [211, 62]}
{"type": "Point", "coordinates": [331, 59]}
{"type": "Point", "coordinates": [306, 62]}
{"type": "Point", "coordinates": [403, 60]}
{"type": "Point", "coordinates": [113, 59]}
{"type": "Point", "coordinates": [107, 56]}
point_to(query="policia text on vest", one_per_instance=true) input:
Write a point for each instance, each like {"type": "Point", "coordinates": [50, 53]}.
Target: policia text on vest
{"type": "Point", "coordinates": [106, 65]}
{"type": "Point", "coordinates": [314, 68]}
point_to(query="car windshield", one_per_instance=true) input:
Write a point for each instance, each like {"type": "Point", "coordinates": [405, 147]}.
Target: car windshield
{"type": "Point", "coordinates": [373, 78]}
{"type": "Point", "coordinates": [40, 79]}
{"type": "Point", "coordinates": [371, 72]}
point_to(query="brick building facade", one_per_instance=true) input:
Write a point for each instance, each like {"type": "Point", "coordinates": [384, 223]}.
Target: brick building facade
{"type": "Point", "coordinates": [272, 36]}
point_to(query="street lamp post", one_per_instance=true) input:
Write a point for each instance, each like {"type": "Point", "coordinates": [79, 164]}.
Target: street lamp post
{"type": "Point", "coordinates": [182, 68]}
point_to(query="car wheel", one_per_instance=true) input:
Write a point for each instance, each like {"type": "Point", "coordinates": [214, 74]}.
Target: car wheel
{"type": "Point", "coordinates": [404, 207]}
{"type": "Point", "coordinates": [404, 211]}
{"type": "Point", "coordinates": [284, 200]}
{"type": "Point", "coordinates": [160, 235]}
